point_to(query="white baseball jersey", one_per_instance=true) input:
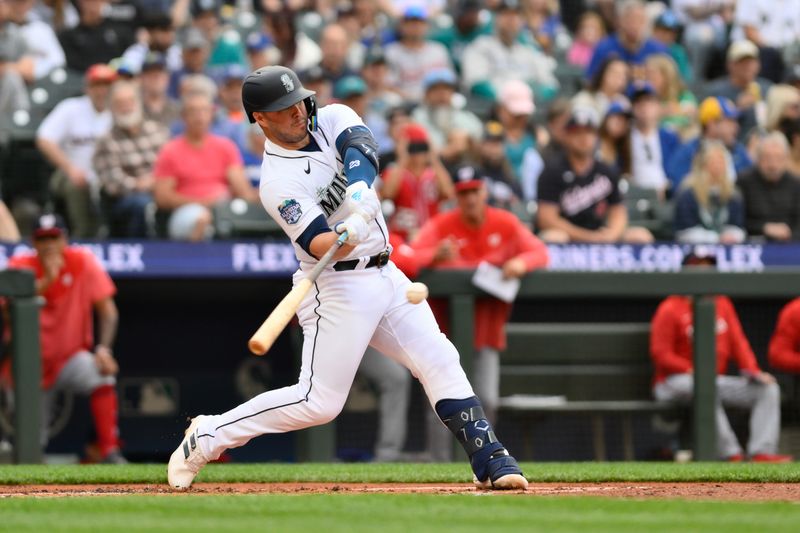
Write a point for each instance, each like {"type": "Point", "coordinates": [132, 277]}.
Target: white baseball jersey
{"type": "Point", "coordinates": [297, 186]}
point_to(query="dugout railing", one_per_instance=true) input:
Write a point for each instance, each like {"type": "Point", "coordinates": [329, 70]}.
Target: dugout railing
{"type": "Point", "coordinates": [19, 289]}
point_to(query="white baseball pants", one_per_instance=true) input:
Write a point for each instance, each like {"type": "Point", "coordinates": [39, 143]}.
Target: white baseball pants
{"type": "Point", "coordinates": [343, 314]}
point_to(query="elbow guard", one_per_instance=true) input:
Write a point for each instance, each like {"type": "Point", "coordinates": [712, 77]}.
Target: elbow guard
{"type": "Point", "coordinates": [355, 144]}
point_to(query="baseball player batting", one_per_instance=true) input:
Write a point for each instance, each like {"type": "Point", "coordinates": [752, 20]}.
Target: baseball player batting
{"type": "Point", "coordinates": [316, 182]}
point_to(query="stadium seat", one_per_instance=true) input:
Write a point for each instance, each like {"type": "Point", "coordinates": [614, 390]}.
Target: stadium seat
{"type": "Point", "coordinates": [238, 218]}
{"type": "Point", "coordinates": [646, 209]}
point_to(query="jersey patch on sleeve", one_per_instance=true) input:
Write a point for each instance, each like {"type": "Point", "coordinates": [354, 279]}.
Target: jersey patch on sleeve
{"type": "Point", "coordinates": [290, 211]}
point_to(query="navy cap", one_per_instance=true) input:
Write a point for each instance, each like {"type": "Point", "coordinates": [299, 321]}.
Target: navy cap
{"type": "Point", "coordinates": [49, 225]}
{"type": "Point", "coordinates": [466, 177]}
{"type": "Point", "coordinates": [639, 90]}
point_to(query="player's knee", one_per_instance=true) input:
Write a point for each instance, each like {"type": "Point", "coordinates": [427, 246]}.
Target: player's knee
{"type": "Point", "coordinates": [322, 413]}
{"type": "Point", "coordinates": [773, 392]}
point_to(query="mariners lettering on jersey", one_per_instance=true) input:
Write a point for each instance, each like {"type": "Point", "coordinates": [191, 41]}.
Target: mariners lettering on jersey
{"type": "Point", "coordinates": [332, 196]}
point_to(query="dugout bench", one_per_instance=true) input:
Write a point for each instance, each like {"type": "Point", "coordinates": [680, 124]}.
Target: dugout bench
{"type": "Point", "coordinates": [701, 284]}
{"type": "Point", "coordinates": [591, 369]}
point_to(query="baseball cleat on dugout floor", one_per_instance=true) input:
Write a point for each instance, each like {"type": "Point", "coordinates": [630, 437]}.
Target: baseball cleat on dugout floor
{"type": "Point", "coordinates": [187, 460]}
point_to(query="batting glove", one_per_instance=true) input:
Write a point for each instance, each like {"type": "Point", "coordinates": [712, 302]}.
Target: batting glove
{"type": "Point", "coordinates": [360, 199]}
{"type": "Point", "coordinates": [356, 227]}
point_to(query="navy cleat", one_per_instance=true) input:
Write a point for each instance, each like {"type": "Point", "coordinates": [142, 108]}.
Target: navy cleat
{"type": "Point", "coordinates": [504, 473]}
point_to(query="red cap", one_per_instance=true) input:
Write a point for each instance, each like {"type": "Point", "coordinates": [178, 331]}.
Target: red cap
{"type": "Point", "coordinates": [415, 133]}
{"type": "Point", "coordinates": [100, 73]}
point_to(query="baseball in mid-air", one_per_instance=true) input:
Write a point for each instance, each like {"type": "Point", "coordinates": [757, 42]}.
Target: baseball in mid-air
{"type": "Point", "coordinates": [416, 292]}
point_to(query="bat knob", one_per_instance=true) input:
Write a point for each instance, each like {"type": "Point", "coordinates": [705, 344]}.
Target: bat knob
{"type": "Point", "coordinates": [256, 347]}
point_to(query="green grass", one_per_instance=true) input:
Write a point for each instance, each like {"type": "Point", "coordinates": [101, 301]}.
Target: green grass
{"type": "Point", "coordinates": [410, 473]}
{"type": "Point", "coordinates": [387, 513]}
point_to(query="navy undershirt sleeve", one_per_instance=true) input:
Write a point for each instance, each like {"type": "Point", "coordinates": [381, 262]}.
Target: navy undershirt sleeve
{"type": "Point", "coordinates": [317, 227]}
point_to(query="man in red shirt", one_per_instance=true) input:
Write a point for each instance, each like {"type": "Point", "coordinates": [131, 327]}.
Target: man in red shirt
{"type": "Point", "coordinates": [784, 348]}
{"type": "Point", "coordinates": [671, 347]}
{"type": "Point", "coordinates": [197, 170]}
{"type": "Point", "coordinates": [73, 284]}
{"type": "Point", "coordinates": [463, 238]}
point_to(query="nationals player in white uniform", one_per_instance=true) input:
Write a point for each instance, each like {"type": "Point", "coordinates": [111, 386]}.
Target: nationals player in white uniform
{"type": "Point", "coordinates": [316, 181]}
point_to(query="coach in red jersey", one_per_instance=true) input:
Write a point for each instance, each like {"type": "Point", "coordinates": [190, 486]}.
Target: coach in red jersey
{"type": "Point", "coordinates": [671, 348]}
{"type": "Point", "coordinates": [472, 233]}
{"type": "Point", "coordinates": [73, 285]}
{"type": "Point", "coordinates": [784, 348]}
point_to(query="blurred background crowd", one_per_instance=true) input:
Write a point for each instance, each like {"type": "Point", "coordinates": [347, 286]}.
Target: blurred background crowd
{"type": "Point", "coordinates": [590, 120]}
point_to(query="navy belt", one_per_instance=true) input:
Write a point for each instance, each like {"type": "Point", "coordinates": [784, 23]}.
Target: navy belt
{"type": "Point", "coordinates": [377, 260]}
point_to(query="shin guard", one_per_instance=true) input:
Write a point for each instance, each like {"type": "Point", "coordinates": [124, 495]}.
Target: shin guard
{"type": "Point", "coordinates": [467, 421]}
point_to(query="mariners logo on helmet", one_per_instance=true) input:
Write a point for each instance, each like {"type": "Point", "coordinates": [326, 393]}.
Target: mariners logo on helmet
{"type": "Point", "coordinates": [287, 83]}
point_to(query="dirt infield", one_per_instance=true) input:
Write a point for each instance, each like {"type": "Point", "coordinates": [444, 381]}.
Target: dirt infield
{"type": "Point", "coordinates": [695, 491]}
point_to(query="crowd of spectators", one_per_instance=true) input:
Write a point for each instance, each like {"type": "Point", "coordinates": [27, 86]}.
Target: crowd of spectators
{"type": "Point", "coordinates": [563, 108]}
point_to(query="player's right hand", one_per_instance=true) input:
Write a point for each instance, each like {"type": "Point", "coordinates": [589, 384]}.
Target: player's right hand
{"type": "Point", "coordinates": [356, 227]}
{"type": "Point", "coordinates": [362, 200]}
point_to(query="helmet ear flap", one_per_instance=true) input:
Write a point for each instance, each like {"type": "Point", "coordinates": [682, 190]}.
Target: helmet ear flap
{"type": "Point", "coordinates": [311, 110]}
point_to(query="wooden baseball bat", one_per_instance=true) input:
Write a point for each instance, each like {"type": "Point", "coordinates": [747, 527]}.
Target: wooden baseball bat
{"type": "Point", "coordinates": [265, 336]}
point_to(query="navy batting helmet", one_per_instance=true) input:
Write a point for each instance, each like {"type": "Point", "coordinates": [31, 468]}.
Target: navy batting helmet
{"type": "Point", "coordinates": [275, 88]}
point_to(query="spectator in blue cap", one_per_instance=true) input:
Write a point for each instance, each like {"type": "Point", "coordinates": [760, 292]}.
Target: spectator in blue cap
{"type": "Point", "coordinates": [651, 145]}
{"type": "Point", "coordinates": [260, 50]}
{"type": "Point", "coordinates": [452, 129]}
{"type": "Point", "coordinates": [229, 83]}
{"type": "Point", "coordinates": [719, 122]}
{"type": "Point", "coordinates": [413, 55]}
{"type": "Point", "coordinates": [666, 30]}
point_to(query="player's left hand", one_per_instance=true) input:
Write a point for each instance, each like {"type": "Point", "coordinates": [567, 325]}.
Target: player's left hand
{"type": "Point", "coordinates": [105, 361]}
{"type": "Point", "coordinates": [514, 268]}
{"type": "Point", "coordinates": [356, 227]}
{"type": "Point", "coordinates": [360, 199]}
